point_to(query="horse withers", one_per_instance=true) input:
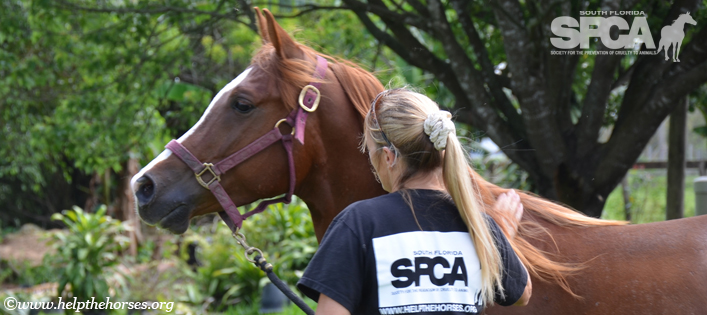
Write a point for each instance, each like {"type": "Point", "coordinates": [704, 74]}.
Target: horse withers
{"type": "Point", "coordinates": [579, 265]}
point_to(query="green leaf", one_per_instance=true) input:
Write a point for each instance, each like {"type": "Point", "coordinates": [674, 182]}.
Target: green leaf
{"type": "Point", "coordinates": [225, 271]}
{"type": "Point", "coordinates": [83, 253]}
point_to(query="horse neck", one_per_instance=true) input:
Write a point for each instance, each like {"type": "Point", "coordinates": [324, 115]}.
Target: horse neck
{"type": "Point", "coordinates": [340, 174]}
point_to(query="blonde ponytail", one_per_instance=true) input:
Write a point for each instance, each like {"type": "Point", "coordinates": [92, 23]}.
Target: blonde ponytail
{"type": "Point", "coordinates": [467, 199]}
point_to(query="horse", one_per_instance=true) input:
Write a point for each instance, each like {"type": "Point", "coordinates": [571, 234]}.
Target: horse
{"type": "Point", "coordinates": [578, 264]}
{"type": "Point", "coordinates": [673, 35]}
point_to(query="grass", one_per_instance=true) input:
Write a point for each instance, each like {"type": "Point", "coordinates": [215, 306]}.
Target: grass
{"type": "Point", "coordinates": [648, 192]}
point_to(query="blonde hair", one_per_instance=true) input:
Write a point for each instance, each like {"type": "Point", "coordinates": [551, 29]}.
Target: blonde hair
{"type": "Point", "coordinates": [396, 121]}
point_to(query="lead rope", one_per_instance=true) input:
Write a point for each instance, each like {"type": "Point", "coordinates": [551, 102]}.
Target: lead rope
{"type": "Point", "coordinates": [267, 267]}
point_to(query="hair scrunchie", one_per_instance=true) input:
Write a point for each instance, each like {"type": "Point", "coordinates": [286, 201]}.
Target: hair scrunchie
{"type": "Point", "coordinates": [438, 126]}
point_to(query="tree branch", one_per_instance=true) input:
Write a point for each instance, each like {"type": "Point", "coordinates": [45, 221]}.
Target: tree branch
{"type": "Point", "coordinates": [412, 51]}
{"type": "Point", "coordinates": [623, 150]}
{"type": "Point", "coordinates": [528, 84]}
{"type": "Point", "coordinates": [694, 53]}
{"type": "Point", "coordinates": [469, 78]}
{"type": "Point", "coordinates": [624, 77]}
{"type": "Point", "coordinates": [150, 10]}
{"type": "Point", "coordinates": [419, 7]}
{"type": "Point", "coordinates": [595, 102]}
{"type": "Point", "coordinates": [309, 8]}
{"type": "Point", "coordinates": [495, 82]}
{"type": "Point", "coordinates": [654, 88]}
{"type": "Point", "coordinates": [251, 16]}
{"type": "Point", "coordinates": [649, 69]}
{"type": "Point", "coordinates": [359, 9]}
{"type": "Point", "coordinates": [406, 18]}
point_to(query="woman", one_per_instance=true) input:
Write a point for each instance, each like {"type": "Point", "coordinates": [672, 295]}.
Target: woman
{"type": "Point", "coordinates": [426, 247]}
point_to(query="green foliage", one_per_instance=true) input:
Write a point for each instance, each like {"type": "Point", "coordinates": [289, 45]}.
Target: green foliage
{"type": "Point", "coordinates": [647, 196]}
{"type": "Point", "coordinates": [698, 101]}
{"type": "Point", "coordinates": [223, 273]}
{"type": "Point", "coordinates": [82, 88]}
{"type": "Point", "coordinates": [25, 274]}
{"type": "Point", "coordinates": [86, 253]}
{"type": "Point", "coordinates": [224, 276]}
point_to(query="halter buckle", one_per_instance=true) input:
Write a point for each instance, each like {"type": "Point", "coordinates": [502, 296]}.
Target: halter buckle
{"type": "Point", "coordinates": [207, 167]}
{"type": "Point", "coordinates": [315, 104]}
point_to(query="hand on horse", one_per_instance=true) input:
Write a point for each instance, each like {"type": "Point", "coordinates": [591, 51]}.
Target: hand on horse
{"type": "Point", "coordinates": [509, 205]}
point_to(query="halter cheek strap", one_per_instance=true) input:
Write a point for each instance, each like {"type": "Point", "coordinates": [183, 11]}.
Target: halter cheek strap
{"type": "Point", "coordinates": [308, 102]}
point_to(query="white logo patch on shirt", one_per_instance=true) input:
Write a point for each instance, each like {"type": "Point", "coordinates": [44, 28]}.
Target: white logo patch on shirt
{"type": "Point", "coordinates": [418, 271]}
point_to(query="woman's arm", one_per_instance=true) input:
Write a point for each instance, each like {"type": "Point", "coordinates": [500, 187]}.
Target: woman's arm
{"type": "Point", "coordinates": [525, 298]}
{"type": "Point", "coordinates": [510, 204]}
{"type": "Point", "coordinates": [328, 306]}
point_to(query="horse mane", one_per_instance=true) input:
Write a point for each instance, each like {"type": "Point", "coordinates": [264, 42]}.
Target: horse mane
{"type": "Point", "coordinates": [361, 87]}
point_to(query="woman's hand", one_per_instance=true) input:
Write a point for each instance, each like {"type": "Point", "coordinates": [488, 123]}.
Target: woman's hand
{"type": "Point", "coordinates": [510, 206]}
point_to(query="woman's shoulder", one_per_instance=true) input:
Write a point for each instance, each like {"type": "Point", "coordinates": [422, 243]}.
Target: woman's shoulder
{"type": "Point", "coordinates": [370, 206]}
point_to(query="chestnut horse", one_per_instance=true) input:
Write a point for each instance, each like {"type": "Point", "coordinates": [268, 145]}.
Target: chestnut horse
{"type": "Point", "coordinates": [579, 265]}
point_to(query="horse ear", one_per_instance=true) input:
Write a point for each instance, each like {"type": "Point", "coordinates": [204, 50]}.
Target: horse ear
{"type": "Point", "coordinates": [285, 46]}
{"type": "Point", "coordinates": [262, 25]}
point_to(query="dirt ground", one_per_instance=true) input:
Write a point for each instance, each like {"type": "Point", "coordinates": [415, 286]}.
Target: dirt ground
{"type": "Point", "coordinates": [28, 244]}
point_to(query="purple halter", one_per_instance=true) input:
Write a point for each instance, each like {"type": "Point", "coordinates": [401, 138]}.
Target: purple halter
{"type": "Point", "coordinates": [308, 102]}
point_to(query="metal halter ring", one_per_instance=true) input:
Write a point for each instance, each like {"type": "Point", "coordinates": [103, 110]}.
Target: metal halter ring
{"type": "Point", "coordinates": [277, 124]}
{"type": "Point", "coordinates": [207, 167]}
{"type": "Point", "coordinates": [316, 100]}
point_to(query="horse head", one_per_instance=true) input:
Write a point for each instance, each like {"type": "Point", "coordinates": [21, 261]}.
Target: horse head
{"type": "Point", "coordinates": [687, 18]}
{"type": "Point", "coordinates": [683, 19]}
{"type": "Point", "coordinates": [168, 193]}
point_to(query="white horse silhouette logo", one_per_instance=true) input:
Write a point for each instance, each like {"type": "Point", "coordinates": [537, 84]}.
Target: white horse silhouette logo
{"type": "Point", "coordinates": [673, 35]}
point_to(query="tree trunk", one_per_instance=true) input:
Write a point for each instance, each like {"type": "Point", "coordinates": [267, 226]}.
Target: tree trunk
{"type": "Point", "coordinates": [626, 192]}
{"type": "Point", "coordinates": [676, 162]}
{"type": "Point", "coordinates": [93, 196]}
{"type": "Point", "coordinates": [125, 204]}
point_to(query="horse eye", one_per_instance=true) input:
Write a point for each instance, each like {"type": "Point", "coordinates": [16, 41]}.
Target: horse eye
{"type": "Point", "coordinates": [242, 107]}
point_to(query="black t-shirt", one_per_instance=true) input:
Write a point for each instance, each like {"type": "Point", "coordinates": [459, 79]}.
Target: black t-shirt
{"type": "Point", "coordinates": [375, 259]}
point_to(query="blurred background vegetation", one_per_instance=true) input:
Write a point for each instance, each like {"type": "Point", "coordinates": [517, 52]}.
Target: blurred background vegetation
{"type": "Point", "coordinates": [91, 90]}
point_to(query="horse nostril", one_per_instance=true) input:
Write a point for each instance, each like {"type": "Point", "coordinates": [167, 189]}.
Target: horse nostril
{"type": "Point", "coordinates": [145, 190]}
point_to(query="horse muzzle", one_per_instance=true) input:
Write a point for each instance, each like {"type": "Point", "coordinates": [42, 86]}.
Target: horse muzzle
{"type": "Point", "coordinates": [169, 209]}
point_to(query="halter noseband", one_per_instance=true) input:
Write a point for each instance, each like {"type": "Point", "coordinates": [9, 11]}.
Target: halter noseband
{"type": "Point", "coordinates": [308, 102]}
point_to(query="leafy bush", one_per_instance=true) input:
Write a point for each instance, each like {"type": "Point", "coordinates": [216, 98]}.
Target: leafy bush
{"type": "Point", "coordinates": [286, 236]}
{"type": "Point", "coordinates": [223, 273]}
{"type": "Point", "coordinates": [224, 276]}
{"type": "Point", "coordinates": [86, 254]}
{"type": "Point", "coordinates": [24, 273]}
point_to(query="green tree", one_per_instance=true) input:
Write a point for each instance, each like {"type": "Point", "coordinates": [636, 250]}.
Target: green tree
{"type": "Point", "coordinates": [546, 112]}
{"type": "Point", "coordinates": [87, 85]}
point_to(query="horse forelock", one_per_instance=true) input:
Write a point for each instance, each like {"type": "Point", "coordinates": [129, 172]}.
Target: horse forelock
{"type": "Point", "coordinates": [291, 75]}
